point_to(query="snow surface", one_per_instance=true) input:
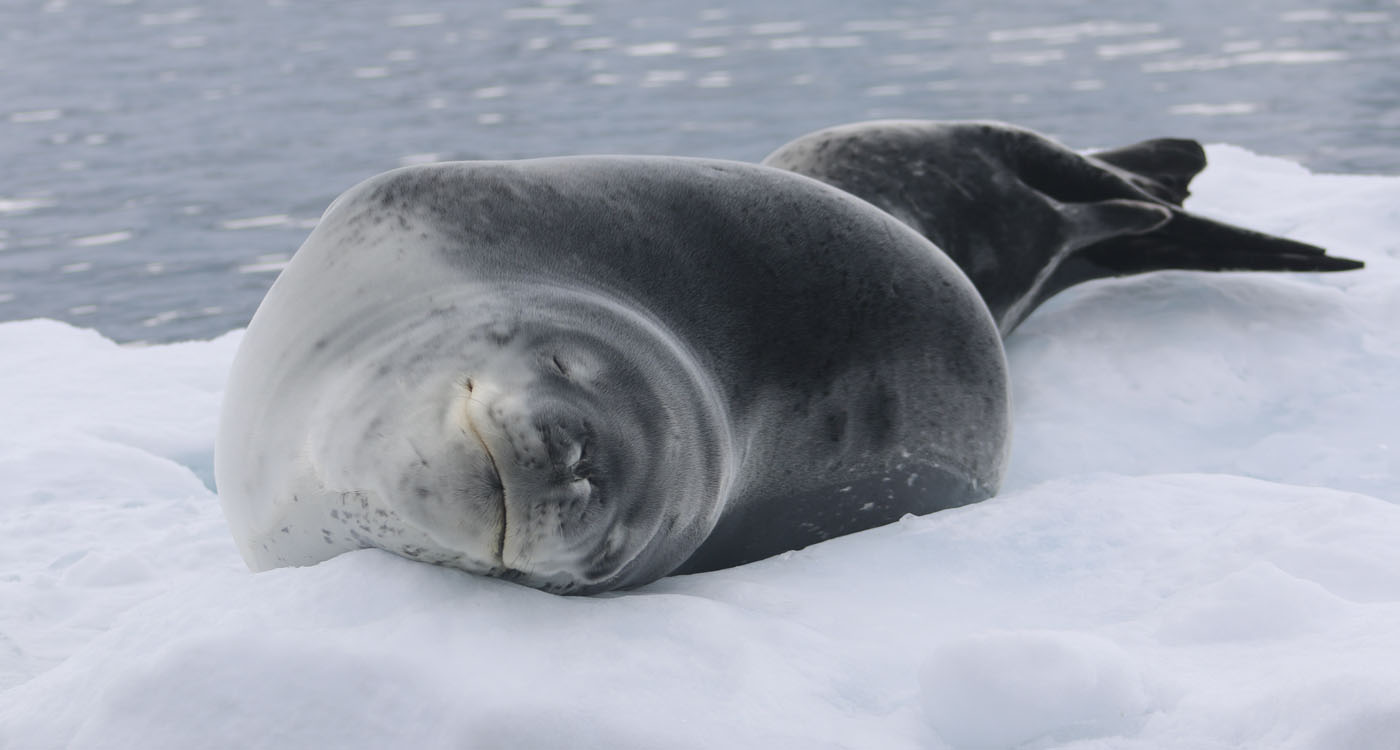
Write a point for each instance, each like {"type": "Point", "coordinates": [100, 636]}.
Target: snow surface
{"type": "Point", "coordinates": [1198, 547]}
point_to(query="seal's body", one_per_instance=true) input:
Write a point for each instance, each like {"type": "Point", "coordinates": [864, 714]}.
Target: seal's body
{"type": "Point", "coordinates": [586, 373]}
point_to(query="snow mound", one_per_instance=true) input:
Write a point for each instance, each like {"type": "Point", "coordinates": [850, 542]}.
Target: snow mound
{"type": "Point", "coordinates": [1004, 689]}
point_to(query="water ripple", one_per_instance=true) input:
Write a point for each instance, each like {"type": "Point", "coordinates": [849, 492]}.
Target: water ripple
{"type": "Point", "coordinates": [109, 238]}
{"type": "Point", "coordinates": [205, 130]}
{"type": "Point", "coordinates": [1073, 32]}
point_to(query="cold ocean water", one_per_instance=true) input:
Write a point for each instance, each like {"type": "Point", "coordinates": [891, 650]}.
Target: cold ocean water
{"type": "Point", "coordinates": [160, 161]}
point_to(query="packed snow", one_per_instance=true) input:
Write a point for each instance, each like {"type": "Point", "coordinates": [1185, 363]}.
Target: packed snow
{"type": "Point", "coordinates": [1197, 546]}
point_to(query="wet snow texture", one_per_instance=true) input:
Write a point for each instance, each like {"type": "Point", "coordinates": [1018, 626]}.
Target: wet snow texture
{"type": "Point", "coordinates": [1196, 547]}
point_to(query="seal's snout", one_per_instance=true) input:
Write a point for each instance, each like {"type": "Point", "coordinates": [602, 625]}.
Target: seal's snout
{"type": "Point", "coordinates": [556, 514]}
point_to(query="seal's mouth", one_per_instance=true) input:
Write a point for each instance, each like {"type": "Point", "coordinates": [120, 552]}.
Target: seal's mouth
{"type": "Point", "coordinates": [496, 479]}
{"type": "Point", "coordinates": [553, 523]}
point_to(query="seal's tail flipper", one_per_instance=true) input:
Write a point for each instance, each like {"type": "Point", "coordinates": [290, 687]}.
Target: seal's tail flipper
{"type": "Point", "coordinates": [1189, 243]}
{"type": "Point", "coordinates": [1158, 170]}
{"type": "Point", "coordinates": [1163, 167]}
{"type": "Point", "coordinates": [1194, 243]}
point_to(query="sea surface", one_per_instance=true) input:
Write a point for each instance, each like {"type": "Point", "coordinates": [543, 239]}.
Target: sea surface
{"type": "Point", "coordinates": [159, 162]}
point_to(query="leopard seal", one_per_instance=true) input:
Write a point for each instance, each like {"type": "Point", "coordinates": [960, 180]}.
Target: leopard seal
{"type": "Point", "coordinates": [585, 373]}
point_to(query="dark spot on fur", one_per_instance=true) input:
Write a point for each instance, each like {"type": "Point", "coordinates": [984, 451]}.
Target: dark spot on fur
{"type": "Point", "coordinates": [881, 412]}
{"type": "Point", "coordinates": [836, 426]}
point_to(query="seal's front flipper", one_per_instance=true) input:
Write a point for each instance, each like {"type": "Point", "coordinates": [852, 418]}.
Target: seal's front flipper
{"type": "Point", "coordinates": [1163, 167]}
{"type": "Point", "coordinates": [1011, 298]}
{"type": "Point", "coordinates": [1089, 224]}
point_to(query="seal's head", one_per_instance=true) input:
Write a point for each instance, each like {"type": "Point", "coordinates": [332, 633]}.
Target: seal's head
{"type": "Point", "coordinates": [569, 445]}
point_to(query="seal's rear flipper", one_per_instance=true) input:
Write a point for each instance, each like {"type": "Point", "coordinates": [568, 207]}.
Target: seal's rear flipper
{"type": "Point", "coordinates": [1194, 243]}
{"type": "Point", "coordinates": [1164, 167]}
{"type": "Point", "coordinates": [1191, 243]}
{"type": "Point", "coordinates": [1157, 170]}
{"type": "Point", "coordinates": [1025, 217]}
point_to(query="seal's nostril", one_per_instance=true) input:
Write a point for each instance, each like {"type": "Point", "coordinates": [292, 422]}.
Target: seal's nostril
{"type": "Point", "coordinates": [470, 385]}
{"type": "Point", "coordinates": [559, 365]}
{"type": "Point", "coordinates": [582, 468]}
